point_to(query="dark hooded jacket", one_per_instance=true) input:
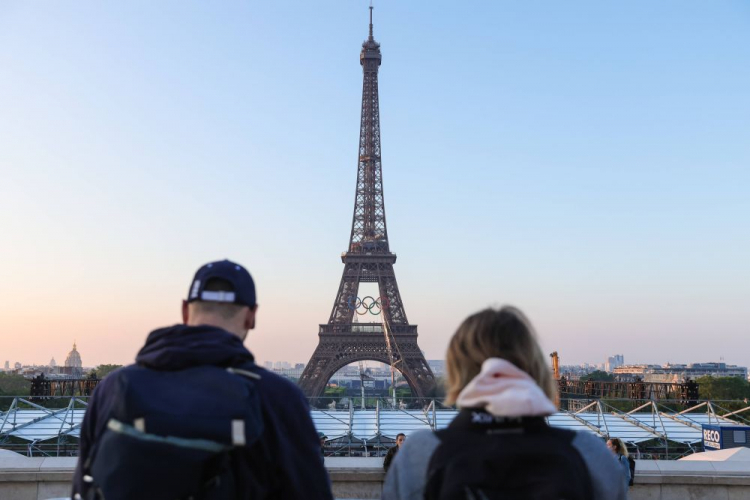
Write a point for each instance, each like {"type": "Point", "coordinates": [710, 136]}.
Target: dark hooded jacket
{"type": "Point", "coordinates": [284, 463]}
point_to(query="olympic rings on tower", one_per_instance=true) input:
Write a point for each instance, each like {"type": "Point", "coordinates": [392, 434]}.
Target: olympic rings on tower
{"type": "Point", "coordinates": [367, 304]}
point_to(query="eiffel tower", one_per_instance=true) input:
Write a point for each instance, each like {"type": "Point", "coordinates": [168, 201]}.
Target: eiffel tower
{"type": "Point", "coordinates": [369, 259]}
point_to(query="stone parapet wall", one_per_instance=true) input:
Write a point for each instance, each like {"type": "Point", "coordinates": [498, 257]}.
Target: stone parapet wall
{"type": "Point", "coordinates": [23, 478]}
{"type": "Point", "coordinates": [358, 478]}
{"type": "Point", "coordinates": [691, 480]}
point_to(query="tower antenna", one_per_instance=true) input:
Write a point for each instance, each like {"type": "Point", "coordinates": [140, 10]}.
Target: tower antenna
{"type": "Point", "coordinates": [370, 19]}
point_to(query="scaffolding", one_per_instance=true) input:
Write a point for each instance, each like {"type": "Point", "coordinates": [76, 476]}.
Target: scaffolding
{"type": "Point", "coordinates": [651, 429]}
{"type": "Point", "coordinates": [26, 426]}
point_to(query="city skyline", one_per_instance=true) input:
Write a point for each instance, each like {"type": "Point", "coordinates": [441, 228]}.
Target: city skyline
{"type": "Point", "coordinates": [585, 163]}
{"type": "Point", "coordinates": [285, 364]}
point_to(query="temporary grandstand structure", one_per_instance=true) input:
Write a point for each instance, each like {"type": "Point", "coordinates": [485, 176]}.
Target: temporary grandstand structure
{"type": "Point", "coordinates": [42, 430]}
{"type": "Point", "coordinates": [648, 427]}
{"type": "Point", "coordinates": [54, 431]}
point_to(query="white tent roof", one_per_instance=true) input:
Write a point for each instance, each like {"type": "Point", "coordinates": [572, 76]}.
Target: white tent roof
{"type": "Point", "coordinates": [631, 428]}
{"type": "Point", "coordinates": [38, 424]}
{"type": "Point", "coordinates": [729, 455]}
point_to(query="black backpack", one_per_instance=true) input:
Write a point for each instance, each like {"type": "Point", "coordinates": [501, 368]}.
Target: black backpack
{"type": "Point", "coordinates": [506, 459]}
{"type": "Point", "coordinates": [631, 464]}
{"type": "Point", "coordinates": [174, 434]}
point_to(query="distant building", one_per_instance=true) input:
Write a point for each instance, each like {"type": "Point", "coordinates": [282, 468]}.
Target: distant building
{"type": "Point", "coordinates": [73, 363]}
{"type": "Point", "coordinates": [268, 365]}
{"type": "Point", "coordinates": [613, 362]}
{"type": "Point", "coordinates": [299, 366]}
{"type": "Point", "coordinates": [52, 363]}
{"type": "Point", "coordinates": [18, 365]}
{"type": "Point", "coordinates": [576, 371]}
{"type": "Point", "coordinates": [437, 366]}
{"type": "Point", "coordinates": [7, 365]}
{"type": "Point", "coordinates": [679, 372]}
{"type": "Point", "coordinates": [291, 373]}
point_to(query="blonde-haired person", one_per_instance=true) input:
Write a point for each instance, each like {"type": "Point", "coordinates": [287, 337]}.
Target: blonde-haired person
{"type": "Point", "coordinates": [617, 447]}
{"type": "Point", "coordinates": [499, 445]}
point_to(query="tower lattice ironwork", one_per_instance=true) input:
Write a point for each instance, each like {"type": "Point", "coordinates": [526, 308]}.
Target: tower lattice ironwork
{"type": "Point", "coordinates": [368, 259]}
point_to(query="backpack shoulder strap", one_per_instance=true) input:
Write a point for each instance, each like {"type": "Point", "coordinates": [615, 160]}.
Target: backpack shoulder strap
{"type": "Point", "coordinates": [244, 372]}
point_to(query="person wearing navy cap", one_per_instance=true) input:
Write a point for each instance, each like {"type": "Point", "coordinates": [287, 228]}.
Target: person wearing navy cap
{"type": "Point", "coordinates": [221, 292]}
{"type": "Point", "coordinates": [195, 417]}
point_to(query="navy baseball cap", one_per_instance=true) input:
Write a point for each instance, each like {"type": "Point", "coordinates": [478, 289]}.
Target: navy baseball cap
{"type": "Point", "coordinates": [243, 288]}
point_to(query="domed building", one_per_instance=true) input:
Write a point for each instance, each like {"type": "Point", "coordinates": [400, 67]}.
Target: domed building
{"type": "Point", "coordinates": [73, 364]}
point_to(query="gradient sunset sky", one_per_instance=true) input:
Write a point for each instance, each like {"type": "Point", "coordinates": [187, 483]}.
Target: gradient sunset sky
{"type": "Point", "coordinates": [588, 162]}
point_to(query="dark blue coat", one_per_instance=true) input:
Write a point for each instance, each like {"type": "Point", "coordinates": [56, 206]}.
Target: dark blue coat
{"type": "Point", "coordinates": [284, 463]}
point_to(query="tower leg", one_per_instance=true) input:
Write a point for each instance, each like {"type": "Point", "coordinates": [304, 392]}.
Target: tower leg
{"type": "Point", "coordinates": [335, 351]}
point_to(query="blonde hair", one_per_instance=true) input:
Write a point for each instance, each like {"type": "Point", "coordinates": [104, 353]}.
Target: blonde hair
{"type": "Point", "coordinates": [620, 447]}
{"type": "Point", "coordinates": [495, 333]}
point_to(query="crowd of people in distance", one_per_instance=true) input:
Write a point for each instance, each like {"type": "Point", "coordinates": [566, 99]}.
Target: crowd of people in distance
{"type": "Point", "coordinates": [195, 417]}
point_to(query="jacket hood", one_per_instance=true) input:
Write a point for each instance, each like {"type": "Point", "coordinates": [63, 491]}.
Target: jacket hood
{"type": "Point", "coordinates": [181, 346]}
{"type": "Point", "coordinates": [504, 390]}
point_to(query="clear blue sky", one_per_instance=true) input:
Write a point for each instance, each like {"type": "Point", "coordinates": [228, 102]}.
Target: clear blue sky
{"type": "Point", "coordinates": [588, 162]}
